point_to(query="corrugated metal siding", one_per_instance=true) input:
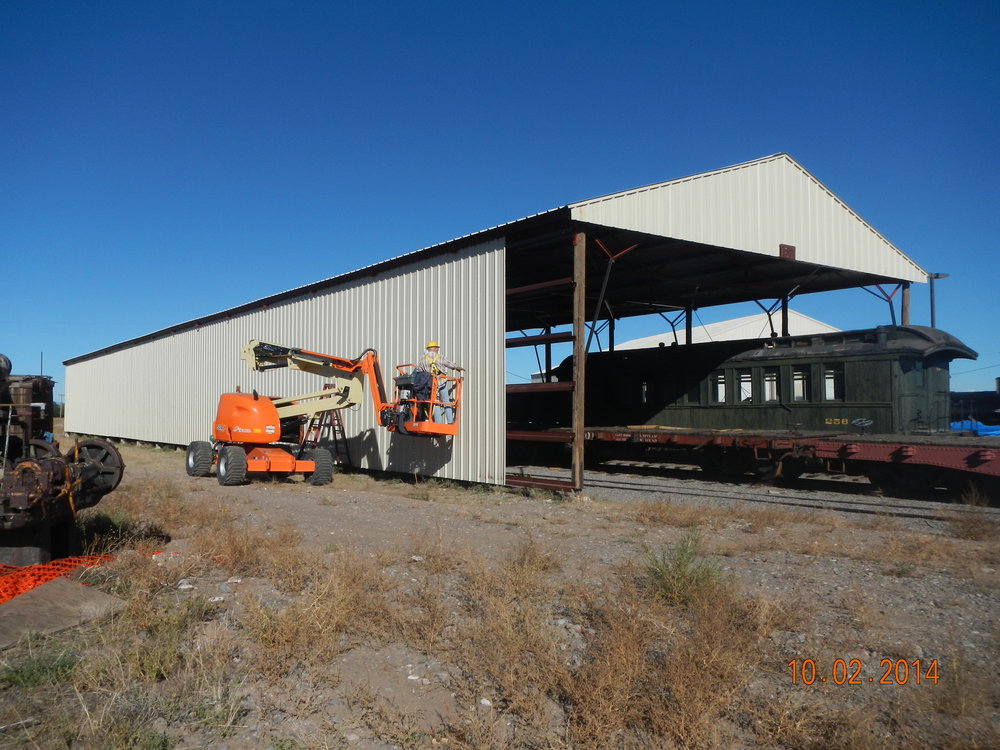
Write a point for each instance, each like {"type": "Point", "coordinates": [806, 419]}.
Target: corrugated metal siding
{"type": "Point", "coordinates": [756, 207]}
{"type": "Point", "coordinates": [166, 390]}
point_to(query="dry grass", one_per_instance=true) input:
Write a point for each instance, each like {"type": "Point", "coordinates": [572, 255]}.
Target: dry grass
{"type": "Point", "coordinates": [972, 520]}
{"type": "Point", "coordinates": [540, 650]}
{"type": "Point", "coordinates": [343, 602]}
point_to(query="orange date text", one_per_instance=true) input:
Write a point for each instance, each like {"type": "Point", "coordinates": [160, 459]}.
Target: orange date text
{"type": "Point", "coordinates": [853, 672]}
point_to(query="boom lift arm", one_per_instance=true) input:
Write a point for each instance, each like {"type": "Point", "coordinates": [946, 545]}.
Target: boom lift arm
{"type": "Point", "coordinates": [399, 415]}
{"type": "Point", "coordinates": [252, 434]}
{"type": "Point", "coordinates": [347, 376]}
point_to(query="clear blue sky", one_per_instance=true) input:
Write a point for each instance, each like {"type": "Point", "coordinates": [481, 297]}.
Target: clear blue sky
{"type": "Point", "coordinates": [160, 161]}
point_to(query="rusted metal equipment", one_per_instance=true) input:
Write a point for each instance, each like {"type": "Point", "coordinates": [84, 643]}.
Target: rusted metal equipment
{"type": "Point", "coordinates": [41, 489]}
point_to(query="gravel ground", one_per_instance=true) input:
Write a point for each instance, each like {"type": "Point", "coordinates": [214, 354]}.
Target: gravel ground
{"type": "Point", "coordinates": [860, 589]}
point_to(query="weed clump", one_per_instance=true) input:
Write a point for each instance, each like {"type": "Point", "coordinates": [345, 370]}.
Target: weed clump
{"type": "Point", "coordinates": [972, 521]}
{"type": "Point", "coordinates": [679, 574]}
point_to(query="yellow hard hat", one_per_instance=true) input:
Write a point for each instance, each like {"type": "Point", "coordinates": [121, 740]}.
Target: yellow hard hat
{"type": "Point", "coordinates": [433, 343]}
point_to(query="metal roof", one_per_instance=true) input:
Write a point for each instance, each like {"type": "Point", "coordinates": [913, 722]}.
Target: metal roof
{"type": "Point", "coordinates": [763, 229]}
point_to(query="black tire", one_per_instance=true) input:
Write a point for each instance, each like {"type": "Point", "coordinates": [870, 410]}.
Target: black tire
{"type": "Point", "coordinates": [232, 468]}
{"type": "Point", "coordinates": [198, 460]}
{"type": "Point", "coordinates": [323, 474]}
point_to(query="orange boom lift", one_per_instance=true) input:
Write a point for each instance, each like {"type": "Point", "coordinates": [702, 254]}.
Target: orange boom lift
{"type": "Point", "coordinates": [255, 434]}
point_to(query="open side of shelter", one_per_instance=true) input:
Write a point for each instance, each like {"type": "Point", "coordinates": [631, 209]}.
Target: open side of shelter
{"type": "Point", "coordinates": [763, 230]}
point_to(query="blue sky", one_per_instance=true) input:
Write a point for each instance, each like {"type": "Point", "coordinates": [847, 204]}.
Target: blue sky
{"type": "Point", "coordinates": [160, 161]}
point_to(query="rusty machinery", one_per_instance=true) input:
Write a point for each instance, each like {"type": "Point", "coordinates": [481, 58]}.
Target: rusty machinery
{"type": "Point", "coordinates": [42, 488]}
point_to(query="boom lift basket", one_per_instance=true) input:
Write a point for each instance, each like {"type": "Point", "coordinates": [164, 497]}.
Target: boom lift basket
{"type": "Point", "coordinates": [419, 408]}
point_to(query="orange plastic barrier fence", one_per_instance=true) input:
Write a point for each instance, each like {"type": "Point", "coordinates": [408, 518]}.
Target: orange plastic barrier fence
{"type": "Point", "coordinates": [16, 579]}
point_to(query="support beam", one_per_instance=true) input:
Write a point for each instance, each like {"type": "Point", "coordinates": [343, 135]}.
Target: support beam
{"type": "Point", "coordinates": [579, 352]}
{"type": "Point", "coordinates": [904, 315]}
{"type": "Point", "coordinates": [544, 338]}
{"type": "Point", "coordinates": [688, 312]}
{"type": "Point", "coordinates": [784, 316]}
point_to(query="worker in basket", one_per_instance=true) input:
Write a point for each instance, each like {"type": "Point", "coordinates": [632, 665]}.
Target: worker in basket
{"type": "Point", "coordinates": [428, 367]}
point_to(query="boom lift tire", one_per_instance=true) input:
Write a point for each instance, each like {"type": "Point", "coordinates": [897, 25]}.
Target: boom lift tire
{"type": "Point", "coordinates": [323, 459]}
{"type": "Point", "coordinates": [198, 460]}
{"type": "Point", "coordinates": [232, 468]}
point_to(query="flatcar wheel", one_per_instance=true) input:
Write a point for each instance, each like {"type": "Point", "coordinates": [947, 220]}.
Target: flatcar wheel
{"type": "Point", "coordinates": [767, 469]}
{"type": "Point", "coordinates": [105, 455]}
{"type": "Point", "coordinates": [790, 468]}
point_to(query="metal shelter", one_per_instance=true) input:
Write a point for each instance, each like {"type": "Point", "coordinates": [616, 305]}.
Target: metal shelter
{"type": "Point", "coordinates": [762, 230]}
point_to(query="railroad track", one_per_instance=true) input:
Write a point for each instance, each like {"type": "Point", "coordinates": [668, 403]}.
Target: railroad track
{"type": "Point", "coordinates": [644, 481]}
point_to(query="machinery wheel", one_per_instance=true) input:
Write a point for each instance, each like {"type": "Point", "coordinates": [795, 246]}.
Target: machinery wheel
{"type": "Point", "coordinates": [42, 449]}
{"type": "Point", "coordinates": [323, 473]}
{"type": "Point", "coordinates": [232, 468]}
{"type": "Point", "coordinates": [198, 460]}
{"type": "Point", "coordinates": [105, 456]}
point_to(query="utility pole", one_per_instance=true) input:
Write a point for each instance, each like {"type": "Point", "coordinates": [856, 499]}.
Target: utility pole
{"type": "Point", "coordinates": [930, 280]}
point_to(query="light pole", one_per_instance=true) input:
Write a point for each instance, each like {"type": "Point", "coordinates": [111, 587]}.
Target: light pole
{"type": "Point", "coordinates": [930, 279]}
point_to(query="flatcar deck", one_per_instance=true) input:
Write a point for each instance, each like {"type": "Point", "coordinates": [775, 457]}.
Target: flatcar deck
{"type": "Point", "coordinates": [884, 458]}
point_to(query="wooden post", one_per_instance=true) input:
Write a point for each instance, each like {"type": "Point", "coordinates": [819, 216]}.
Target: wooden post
{"type": "Point", "coordinates": [547, 375]}
{"type": "Point", "coordinates": [784, 316]}
{"type": "Point", "coordinates": [579, 352]}
{"type": "Point", "coordinates": [687, 324]}
{"type": "Point", "coordinates": [905, 305]}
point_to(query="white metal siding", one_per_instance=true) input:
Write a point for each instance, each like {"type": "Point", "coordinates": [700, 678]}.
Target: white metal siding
{"type": "Point", "coordinates": [755, 207]}
{"type": "Point", "coordinates": [166, 390]}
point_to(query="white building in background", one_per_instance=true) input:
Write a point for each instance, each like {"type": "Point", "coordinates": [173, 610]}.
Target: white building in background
{"type": "Point", "coordinates": [748, 327]}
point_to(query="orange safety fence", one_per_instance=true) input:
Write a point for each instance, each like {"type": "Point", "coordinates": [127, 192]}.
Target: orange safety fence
{"type": "Point", "coordinates": [16, 579]}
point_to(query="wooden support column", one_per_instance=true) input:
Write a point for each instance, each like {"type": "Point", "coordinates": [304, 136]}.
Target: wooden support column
{"type": "Point", "coordinates": [905, 305]}
{"type": "Point", "coordinates": [547, 376]}
{"type": "Point", "coordinates": [784, 316]}
{"type": "Point", "coordinates": [688, 311]}
{"type": "Point", "coordinates": [579, 352]}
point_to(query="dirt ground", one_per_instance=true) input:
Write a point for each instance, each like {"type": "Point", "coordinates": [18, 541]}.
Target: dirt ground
{"type": "Point", "coordinates": [880, 631]}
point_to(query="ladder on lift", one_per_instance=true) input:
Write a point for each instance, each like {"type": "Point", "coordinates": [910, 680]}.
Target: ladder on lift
{"type": "Point", "coordinates": [331, 423]}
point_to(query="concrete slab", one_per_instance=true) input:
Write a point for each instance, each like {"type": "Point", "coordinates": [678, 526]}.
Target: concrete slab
{"type": "Point", "coordinates": [55, 605]}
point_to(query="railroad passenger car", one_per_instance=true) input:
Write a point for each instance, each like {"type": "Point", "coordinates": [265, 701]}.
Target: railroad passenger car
{"type": "Point", "coordinates": [887, 380]}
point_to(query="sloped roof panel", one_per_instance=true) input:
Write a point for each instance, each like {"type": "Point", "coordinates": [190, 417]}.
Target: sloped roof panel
{"type": "Point", "coordinates": [755, 207]}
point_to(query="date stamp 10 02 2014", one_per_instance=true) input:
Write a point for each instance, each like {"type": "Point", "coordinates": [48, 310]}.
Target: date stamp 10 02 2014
{"type": "Point", "coordinates": [853, 672]}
